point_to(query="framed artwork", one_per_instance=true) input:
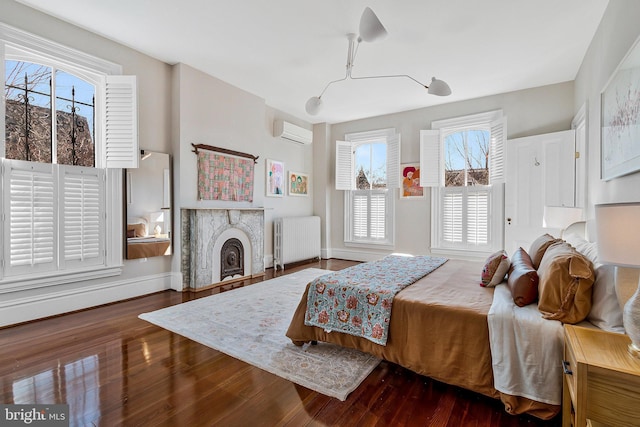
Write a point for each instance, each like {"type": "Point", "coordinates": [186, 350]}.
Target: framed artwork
{"type": "Point", "coordinates": [410, 178]}
{"type": "Point", "coordinates": [620, 125]}
{"type": "Point", "coordinates": [275, 178]}
{"type": "Point", "coordinates": [298, 184]}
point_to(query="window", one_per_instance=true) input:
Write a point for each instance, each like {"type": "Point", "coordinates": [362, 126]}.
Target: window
{"type": "Point", "coordinates": [367, 168]}
{"type": "Point", "coordinates": [464, 158]}
{"type": "Point", "coordinates": [69, 123]}
{"type": "Point", "coordinates": [33, 92]}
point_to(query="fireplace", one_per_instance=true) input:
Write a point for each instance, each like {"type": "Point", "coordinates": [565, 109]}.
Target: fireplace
{"type": "Point", "coordinates": [221, 245]}
{"type": "Point", "coordinates": [231, 259]}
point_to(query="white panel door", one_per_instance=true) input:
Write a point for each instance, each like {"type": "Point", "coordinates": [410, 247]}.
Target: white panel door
{"type": "Point", "coordinates": [540, 171]}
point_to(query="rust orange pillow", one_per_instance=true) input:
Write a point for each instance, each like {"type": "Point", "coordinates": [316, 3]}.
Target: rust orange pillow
{"type": "Point", "coordinates": [566, 284]}
{"type": "Point", "coordinates": [523, 279]}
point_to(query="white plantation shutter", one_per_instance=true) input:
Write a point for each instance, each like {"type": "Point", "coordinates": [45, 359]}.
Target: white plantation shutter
{"type": "Point", "coordinates": [497, 151]}
{"type": "Point", "coordinates": [431, 159]}
{"type": "Point", "coordinates": [369, 218]}
{"type": "Point", "coordinates": [465, 217]}
{"type": "Point", "coordinates": [378, 215]}
{"type": "Point", "coordinates": [120, 124]}
{"type": "Point", "coordinates": [345, 175]}
{"type": "Point", "coordinates": [393, 162]}
{"type": "Point", "coordinates": [30, 200]}
{"type": "Point", "coordinates": [452, 217]}
{"type": "Point", "coordinates": [82, 234]}
{"type": "Point", "coordinates": [360, 215]}
{"type": "Point", "coordinates": [477, 216]}
{"type": "Point", "coordinates": [55, 217]}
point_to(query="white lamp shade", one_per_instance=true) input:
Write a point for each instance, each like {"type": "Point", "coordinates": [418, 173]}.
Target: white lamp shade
{"type": "Point", "coordinates": [560, 216]}
{"type": "Point", "coordinates": [439, 87]}
{"type": "Point", "coordinates": [313, 105]}
{"type": "Point", "coordinates": [618, 234]}
{"type": "Point", "coordinates": [371, 29]}
{"type": "Point", "coordinates": [156, 216]}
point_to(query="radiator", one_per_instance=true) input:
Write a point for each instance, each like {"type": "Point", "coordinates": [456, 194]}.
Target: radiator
{"type": "Point", "coordinates": [295, 239]}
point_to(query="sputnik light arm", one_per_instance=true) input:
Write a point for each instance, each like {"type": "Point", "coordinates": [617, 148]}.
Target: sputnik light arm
{"type": "Point", "coordinates": [438, 87]}
{"type": "Point", "coordinates": [371, 29]}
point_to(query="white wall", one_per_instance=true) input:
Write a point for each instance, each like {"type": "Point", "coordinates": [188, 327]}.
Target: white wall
{"type": "Point", "coordinates": [529, 112]}
{"type": "Point", "coordinates": [216, 113]}
{"type": "Point", "coordinates": [177, 105]}
{"type": "Point", "coordinates": [616, 34]}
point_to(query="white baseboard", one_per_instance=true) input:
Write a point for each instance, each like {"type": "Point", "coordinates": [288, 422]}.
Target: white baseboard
{"type": "Point", "coordinates": [58, 302]}
{"type": "Point", "coordinates": [356, 255]}
{"type": "Point", "coordinates": [268, 261]}
{"type": "Point", "coordinates": [176, 281]}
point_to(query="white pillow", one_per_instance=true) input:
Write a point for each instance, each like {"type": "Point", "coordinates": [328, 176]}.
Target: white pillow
{"type": "Point", "coordinates": [606, 312]}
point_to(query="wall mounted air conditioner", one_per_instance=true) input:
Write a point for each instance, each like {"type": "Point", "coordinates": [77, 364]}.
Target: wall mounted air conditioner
{"type": "Point", "coordinates": [292, 132]}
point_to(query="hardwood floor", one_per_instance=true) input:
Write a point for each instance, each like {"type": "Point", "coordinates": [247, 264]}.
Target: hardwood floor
{"type": "Point", "coordinates": [114, 369]}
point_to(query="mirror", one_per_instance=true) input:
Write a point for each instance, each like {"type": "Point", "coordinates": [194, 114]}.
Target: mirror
{"type": "Point", "coordinates": [148, 206]}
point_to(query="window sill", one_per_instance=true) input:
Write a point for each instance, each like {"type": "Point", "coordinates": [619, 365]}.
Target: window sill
{"type": "Point", "coordinates": [22, 283]}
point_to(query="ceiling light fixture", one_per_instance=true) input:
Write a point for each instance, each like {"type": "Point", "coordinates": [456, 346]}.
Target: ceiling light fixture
{"type": "Point", "coordinates": [371, 29]}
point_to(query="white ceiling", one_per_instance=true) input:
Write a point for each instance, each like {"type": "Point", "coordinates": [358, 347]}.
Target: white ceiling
{"type": "Point", "coordinates": [286, 51]}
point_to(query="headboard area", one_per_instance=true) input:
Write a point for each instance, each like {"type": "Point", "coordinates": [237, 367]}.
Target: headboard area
{"type": "Point", "coordinates": [606, 311]}
{"type": "Point", "coordinates": [578, 228]}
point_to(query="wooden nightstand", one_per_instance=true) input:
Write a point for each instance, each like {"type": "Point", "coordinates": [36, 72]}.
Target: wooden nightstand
{"type": "Point", "coordinates": [601, 382]}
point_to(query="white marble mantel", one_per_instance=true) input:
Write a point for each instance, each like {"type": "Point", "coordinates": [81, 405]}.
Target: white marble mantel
{"type": "Point", "coordinates": [203, 232]}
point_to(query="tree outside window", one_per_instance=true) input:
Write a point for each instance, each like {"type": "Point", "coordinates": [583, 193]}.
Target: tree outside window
{"type": "Point", "coordinates": [467, 158]}
{"type": "Point", "coordinates": [30, 101]}
{"type": "Point", "coordinates": [371, 166]}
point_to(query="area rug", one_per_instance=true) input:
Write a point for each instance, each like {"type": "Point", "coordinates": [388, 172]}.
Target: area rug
{"type": "Point", "coordinates": [250, 323]}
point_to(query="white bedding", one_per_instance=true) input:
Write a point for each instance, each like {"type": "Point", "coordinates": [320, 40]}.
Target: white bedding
{"type": "Point", "coordinates": [526, 350]}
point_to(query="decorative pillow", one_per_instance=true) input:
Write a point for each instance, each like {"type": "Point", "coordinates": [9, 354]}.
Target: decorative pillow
{"type": "Point", "coordinates": [539, 246]}
{"type": "Point", "coordinates": [131, 233]}
{"type": "Point", "coordinates": [139, 229]}
{"type": "Point", "coordinates": [606, 312]}
{"type": "Point", "coordinates": [566, 284]}
{"type": "Point", "coordinates": [495, 268]}
{"type": "Point", "coordinates": [523, 279]}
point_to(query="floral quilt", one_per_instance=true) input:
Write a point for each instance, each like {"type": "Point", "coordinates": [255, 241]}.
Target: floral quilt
{"type": "Point", "coordinates": [358, 299]}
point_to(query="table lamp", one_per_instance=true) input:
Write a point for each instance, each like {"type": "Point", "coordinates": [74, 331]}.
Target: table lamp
{"type": "Point", "coordinates": [158, 219]}
{"type": "Point", "coordinates": [618, 240]}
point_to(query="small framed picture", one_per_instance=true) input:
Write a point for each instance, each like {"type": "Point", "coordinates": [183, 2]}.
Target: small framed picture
{"type": "Point", "coordinates": [298, 184]}
{"type": "Point", "coordinates": [275, 178]}
{"type": "Point", "coordinates": [410, 177]}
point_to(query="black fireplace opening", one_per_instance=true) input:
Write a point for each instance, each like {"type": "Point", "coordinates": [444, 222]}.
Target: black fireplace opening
{"type": "Point", "coordinates": [231, 259]}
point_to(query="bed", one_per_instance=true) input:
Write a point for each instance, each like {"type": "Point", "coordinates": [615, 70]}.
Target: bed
{"type": "Point", "coordinates": [440, 327]}
{"type": "Point", "coordinates": [146, 247]}
{"type": "Point", "coordinates": [141, 244]}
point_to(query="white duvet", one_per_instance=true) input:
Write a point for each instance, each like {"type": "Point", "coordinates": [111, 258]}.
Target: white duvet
{"type": "Point", "coordinates": [526, 350]}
